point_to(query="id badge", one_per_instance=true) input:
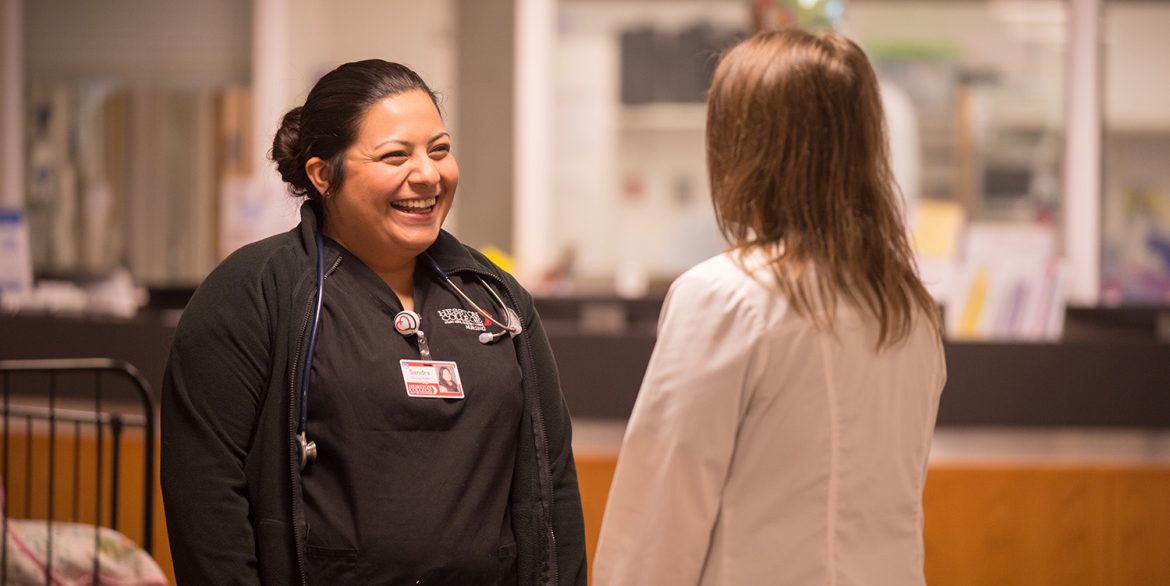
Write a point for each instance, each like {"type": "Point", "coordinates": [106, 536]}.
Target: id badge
{"type": "Point", "coordinates": [431, 379]}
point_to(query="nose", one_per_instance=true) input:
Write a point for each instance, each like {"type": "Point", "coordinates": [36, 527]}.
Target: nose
{"type": "Point", "coordinates": [425, 174]}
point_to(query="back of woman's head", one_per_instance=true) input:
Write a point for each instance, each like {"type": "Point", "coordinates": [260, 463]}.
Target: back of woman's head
{"type": "Point", "coordinates": [797, 156]}
{"type": "Point", "coordinates": [327, 124]}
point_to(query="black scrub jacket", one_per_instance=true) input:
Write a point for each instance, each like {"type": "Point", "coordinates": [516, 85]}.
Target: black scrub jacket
{"type": "Point", "coordinates": [231, 485]}
{"type": "Point", "coordinates": [409, 488]}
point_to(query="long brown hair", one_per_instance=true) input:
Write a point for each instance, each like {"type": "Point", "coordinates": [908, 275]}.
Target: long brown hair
{"type": "Point", "coordinates": [798, 162]}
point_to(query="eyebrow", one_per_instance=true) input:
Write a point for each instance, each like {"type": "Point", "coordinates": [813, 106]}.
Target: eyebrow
{"type": "Point", "coordinates": [408, 144]}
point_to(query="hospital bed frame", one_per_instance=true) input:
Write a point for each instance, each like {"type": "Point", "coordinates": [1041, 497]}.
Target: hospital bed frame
{"type": "Point", "coordinates": [33, 395]}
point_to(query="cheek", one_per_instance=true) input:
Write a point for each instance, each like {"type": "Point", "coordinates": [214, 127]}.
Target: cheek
{"type": "Point", "coordinates": [375, 187]}
{"type": "Point", "coordinates": [450, 176]}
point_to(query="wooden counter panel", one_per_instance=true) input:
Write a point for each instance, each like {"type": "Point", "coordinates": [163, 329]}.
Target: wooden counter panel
{"type": "Point", "coordinates": [1016, 524]}
{"type": "Point", "coordinates": [988, 523]}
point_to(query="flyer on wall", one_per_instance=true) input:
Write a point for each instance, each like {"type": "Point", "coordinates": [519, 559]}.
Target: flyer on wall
{"type": "Point", "coordinates": [15, 261]}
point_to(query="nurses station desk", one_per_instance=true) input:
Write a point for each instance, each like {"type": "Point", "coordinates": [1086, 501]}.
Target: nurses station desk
{"type": "Point", "coordinates": [1051, 461]}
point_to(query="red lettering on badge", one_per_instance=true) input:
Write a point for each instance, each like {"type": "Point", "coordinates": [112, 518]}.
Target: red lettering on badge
{"type": "Point", "coordinates": [426, 389]}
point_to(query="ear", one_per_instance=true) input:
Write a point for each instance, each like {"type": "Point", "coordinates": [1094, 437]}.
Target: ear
{"type": "Point", "coordinates": [318, 173]}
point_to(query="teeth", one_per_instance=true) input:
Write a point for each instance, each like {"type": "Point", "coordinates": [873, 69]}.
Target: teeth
{"type": "Point", "coordinates": [416, 204]}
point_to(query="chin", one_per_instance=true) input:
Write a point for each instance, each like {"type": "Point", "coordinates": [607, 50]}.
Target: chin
{"type": "Point", "coordinates": [416, 240]}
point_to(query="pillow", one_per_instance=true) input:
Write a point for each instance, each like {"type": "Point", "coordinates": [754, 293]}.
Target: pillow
{"type": "Point", "coordinates": [121, 561]}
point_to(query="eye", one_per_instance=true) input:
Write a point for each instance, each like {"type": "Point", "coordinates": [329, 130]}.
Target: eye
{"type": "Point", "coordinates": [440, 150]}
{"type": "Point", "coordinates": [395, 156]}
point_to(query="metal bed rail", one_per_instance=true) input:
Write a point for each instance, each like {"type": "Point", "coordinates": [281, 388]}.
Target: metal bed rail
{"type": "Point", "coordinates": [99, 373]}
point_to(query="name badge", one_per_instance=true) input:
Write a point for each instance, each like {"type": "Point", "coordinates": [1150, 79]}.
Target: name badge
{"type": "Point", "coordinates": [431, 379]}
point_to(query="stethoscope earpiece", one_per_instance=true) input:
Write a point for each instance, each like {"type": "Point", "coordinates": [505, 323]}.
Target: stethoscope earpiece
{"type": "Point", "coordinates": [512, 328]}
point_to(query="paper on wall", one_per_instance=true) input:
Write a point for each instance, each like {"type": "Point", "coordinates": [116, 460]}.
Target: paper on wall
{"type": "Point", "coordinates": [1010, 285]}
{"type": "Point", "coordinates": [15, 258]}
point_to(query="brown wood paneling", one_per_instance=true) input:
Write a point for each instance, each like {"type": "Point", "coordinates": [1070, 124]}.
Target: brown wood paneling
{"type": "Point", "coordinates": [594, 475]}
{"type": "Point", "coordinates": [1013, 524]}
{"type": "Point", "coordinates": [1026, 525]}
{"type": "Point", "coordinates": [1138, 542]}
{"type": "Point", "coordinates": [992, 523]}
{"type": "Point", "coordinates": [82, 482]}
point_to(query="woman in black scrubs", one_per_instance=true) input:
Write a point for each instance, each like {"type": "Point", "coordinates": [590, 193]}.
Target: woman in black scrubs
{"type": "Point", "coordinates": [406, 479]}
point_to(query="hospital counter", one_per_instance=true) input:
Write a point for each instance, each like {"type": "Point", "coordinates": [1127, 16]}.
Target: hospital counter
{"type": "Point", "coordinates": [1112, 372]}
{"type": "Point", "coordinates": [1006, 506]}
{"type": "Point", "coordinates": [1050, 464]}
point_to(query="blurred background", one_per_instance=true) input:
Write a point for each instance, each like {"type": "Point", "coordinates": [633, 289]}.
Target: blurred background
{"type": "Point", "coordinates": [1030, 138]}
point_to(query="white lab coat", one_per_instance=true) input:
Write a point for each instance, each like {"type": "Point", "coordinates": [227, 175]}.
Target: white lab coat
{"type": "Point", "coordinates": [762, 450]}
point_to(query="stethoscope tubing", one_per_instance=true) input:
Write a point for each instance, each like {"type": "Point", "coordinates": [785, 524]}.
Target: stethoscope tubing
{"type": "Point", "coordinates": [312, 347]}
{"type": "Point", "coordinates": [511, 327]}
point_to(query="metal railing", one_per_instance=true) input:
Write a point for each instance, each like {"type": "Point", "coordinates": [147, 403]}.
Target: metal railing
{"type": "Point", "coordinates": [91, 376]}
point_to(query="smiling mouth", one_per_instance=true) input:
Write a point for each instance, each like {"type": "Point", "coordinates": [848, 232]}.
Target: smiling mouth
{"type": "Point", "coordinates": [416, 206]}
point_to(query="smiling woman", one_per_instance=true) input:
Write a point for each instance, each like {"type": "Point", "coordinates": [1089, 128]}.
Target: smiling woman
{"type": "Point", "coordinates": [400, 179]}
{"type": "Point", "coordinates": [412, 485]}
{"type": "Point", "coordinates": [379, 169]}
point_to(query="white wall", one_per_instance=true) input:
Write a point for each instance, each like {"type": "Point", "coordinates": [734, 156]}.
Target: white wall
{"type": "Point", "coordinates": [323, 34]}
{"type": "Point", "coordinates": [630, 194]}
{"type": "Point", "coordinates": [1135, 68]}
{"type": "Point", "coordinates": [326, 33]}
{"type": "Point", "coordinates": [158, 41]}
{"type": "Point", "coordinates": [295, 42]}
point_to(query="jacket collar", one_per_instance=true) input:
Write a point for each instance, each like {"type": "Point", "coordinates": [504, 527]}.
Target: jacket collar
{"type": "Point", "coordinates": [447, 250]}
{"type": "Point", "coordinates": [308, 228]}
{"type": "Point", "coordinates": [451, 254]}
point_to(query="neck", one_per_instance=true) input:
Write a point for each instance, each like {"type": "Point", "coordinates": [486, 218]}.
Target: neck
{"type": "Point", "coordinates": [397, 270]}
{"type": "Point", "coordinates": [401, 281]}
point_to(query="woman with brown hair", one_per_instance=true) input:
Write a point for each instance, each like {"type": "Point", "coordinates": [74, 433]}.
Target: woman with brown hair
{"type": "Point", "coordinates": [782, 430]}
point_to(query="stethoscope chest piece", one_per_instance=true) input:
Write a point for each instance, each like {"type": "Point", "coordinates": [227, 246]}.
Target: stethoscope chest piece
{"type": "Point", "coordinates": [306, 450]}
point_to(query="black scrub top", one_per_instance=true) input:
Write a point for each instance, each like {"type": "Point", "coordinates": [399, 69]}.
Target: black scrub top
{"type": "Point", "coordinates": [409, 490]}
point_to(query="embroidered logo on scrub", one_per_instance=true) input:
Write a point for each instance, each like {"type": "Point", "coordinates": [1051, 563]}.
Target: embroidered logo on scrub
{"type": "Point", "coordinates": [469, 319]}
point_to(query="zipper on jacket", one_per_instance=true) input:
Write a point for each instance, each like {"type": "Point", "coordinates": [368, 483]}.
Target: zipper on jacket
{"type": "Point", "coordinates": [546, 488]}
{"type": "Point", "coordinates": [292, 451]}
{"type": "Point", "coordinates": [298, 538]}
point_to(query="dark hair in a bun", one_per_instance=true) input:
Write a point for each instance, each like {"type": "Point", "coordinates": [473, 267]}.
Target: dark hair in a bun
{"type": "Point", "coordinates": [286, 153]}
{"type": "Point", "coordinates": [326, 125]}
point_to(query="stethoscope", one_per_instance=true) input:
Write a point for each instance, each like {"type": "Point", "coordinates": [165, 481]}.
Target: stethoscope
{"type": "Point", "coordinates": [406, 322]}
